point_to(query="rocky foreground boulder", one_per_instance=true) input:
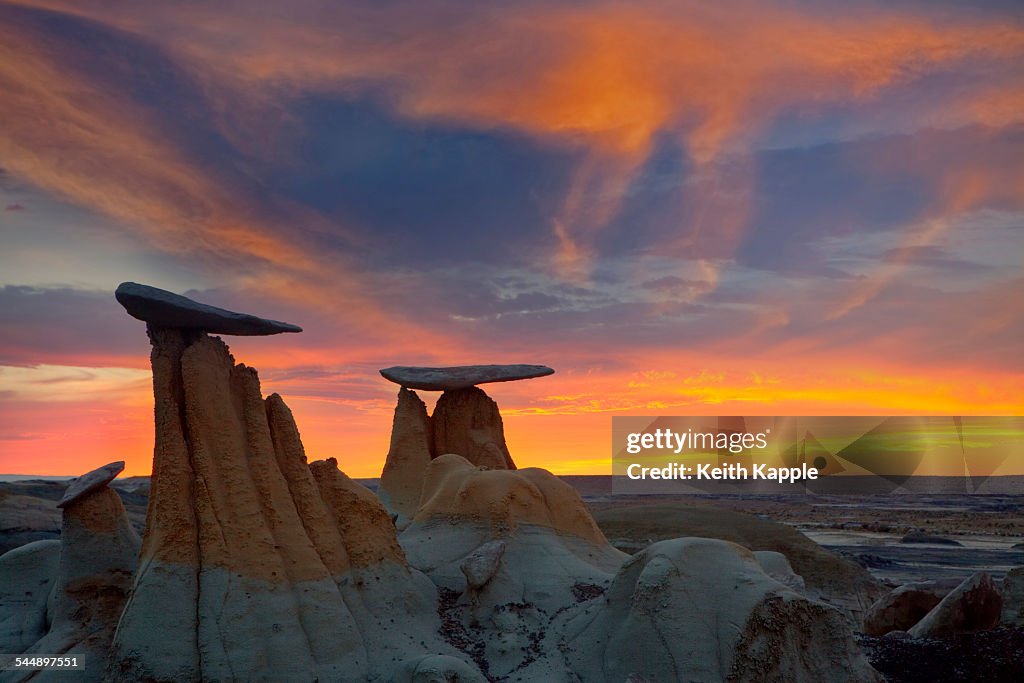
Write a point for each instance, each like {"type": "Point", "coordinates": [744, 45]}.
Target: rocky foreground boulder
{"type": "Point", "coordinates": [974, 605]}
{"type": "Point", "coordinates": [696, 609]}
{"type": "Point", "coordinates": [904, 606]}
{"type": "Point", "coordinates": [777, 566]}
{"type": "Point", "coordinates": [551, 545]}
{"type": "Point", "coordinates": [827, 577]}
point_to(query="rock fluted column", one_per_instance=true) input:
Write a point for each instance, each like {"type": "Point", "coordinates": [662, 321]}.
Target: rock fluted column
{"type": "Point", "coordinates": [256, 565]}
{"type": "Point", "coordinates": [467, 422]}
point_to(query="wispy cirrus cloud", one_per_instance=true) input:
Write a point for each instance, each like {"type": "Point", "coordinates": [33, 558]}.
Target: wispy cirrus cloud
{"type": "Point", "coordinates": [606, 79]}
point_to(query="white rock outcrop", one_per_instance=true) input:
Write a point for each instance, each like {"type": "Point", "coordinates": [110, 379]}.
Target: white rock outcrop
{"type": "Point", "coordinates": [777, 566]}
{"type": "Point", "coordinates": [518, 549]}
{"type": "Point", "coordinates": [695, 609]}
{"type": "Point", "coordinates": [537, 593]}
{"type": "Point", "coordinates": [27, 576]}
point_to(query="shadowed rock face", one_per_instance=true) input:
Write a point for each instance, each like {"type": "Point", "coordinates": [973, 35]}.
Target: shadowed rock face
{"type": "Point", "coordinates": [902, 608]}
{"type": "Point", "coordinates": [460, 376]}
{"type": "Point", "coordinates": [408, 457]}
{"type": "Point", "coordinates": [1013, 598]}
{"type": "Point", "coordinates": [467, 422]}
{"type": "Point", "coordinates": [974, 605]}
{"type": "Point", "coordinates": [255, 565]}
{"type": "Point", "coordinates": [161, 308]}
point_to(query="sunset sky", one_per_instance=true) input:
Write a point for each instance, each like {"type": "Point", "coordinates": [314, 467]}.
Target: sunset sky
{"type": "Point", "coordinates": [773, 208]}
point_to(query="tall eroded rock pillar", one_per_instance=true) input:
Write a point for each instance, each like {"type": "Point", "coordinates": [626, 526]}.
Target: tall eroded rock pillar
{"type": "Point", "coordinates": [410, 453]}
{"type": "Point", "coordinates": [467, 422]}
{"type": "Point", "coordinates": [255, 565]}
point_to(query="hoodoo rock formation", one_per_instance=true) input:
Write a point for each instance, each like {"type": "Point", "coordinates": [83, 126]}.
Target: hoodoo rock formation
{"type": "Point", "coordinates": [533, 590]}
{"type": "Point", "coordinates": [82, 581]}
{"type": "Point", "coordinates": [466, 421]}
{"type": "Point", "coordinates": [255, 565]}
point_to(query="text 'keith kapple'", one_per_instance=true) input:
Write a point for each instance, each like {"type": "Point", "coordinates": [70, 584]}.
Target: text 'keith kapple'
{"type": "Point", "coordinates": [733, 442]}
{"type": "Point", "coordinates": [730, 472]}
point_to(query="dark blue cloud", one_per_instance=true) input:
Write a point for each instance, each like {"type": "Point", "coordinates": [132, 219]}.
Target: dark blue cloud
{"type": "Point", "coordinates": [424, 193]}
{"type": "Point", "coordinates": [67, 326]}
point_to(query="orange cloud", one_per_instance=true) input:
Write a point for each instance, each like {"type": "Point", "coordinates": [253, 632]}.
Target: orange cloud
{"type": "Point", "coordinates": [95, 146]}
{"type": "Point", "coordinates": [605, 77]}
